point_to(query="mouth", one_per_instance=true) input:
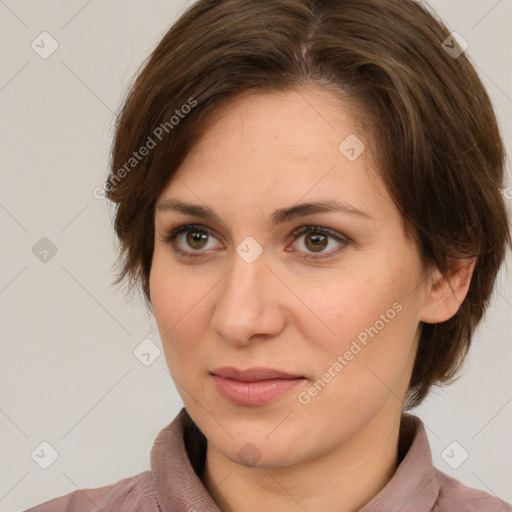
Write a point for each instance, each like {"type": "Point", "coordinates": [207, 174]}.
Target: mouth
{"type": "Point", "coordinates": [254, 386]}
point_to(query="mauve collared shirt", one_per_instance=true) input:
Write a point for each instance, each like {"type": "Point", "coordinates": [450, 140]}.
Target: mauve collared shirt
{"type": "Point", "coordinates": [177, 461]}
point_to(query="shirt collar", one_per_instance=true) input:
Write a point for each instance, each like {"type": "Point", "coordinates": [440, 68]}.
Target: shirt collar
{"type": "Point", "coordinates": [178, 456]}
{"type": "Point", "coordinates": [414, 487]}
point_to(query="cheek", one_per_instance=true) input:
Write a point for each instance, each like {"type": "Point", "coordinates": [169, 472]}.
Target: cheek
{"type": "Point", "coordinates": [356, 303]}
{"type": "Point", "coordinates": [178, 304]}
{"type": "Point", "coordinates": [372, 319]}
{"type": "Point", "coordinates": [172, 293]}
{"type": "Point", "coordinates": [163, 289]}
{"type": "Point", "coordinates": [169, 305]}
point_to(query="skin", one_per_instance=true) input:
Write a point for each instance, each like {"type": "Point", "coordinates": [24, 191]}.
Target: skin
{"type": "Point", "coordinates": [261, 152]}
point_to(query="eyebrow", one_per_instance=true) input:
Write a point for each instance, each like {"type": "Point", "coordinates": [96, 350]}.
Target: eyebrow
{"type": "Point", "coordinates": [279, 216]}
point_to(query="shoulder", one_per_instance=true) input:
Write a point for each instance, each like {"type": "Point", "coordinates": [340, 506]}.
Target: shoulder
{"type": "Point", "coordinates": [129, 495]}
{"type": "Point", "coordinates": [454, 495]}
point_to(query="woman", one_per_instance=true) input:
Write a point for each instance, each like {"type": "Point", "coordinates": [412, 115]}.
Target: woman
{"type": "Point", "coordinates": [308, 194]}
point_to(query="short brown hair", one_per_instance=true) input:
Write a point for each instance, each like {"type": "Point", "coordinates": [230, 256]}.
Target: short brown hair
{"type": "Point", "coordinates": [440, 152]}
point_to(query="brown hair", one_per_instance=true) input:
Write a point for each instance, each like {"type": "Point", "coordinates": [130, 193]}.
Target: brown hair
{"type": "Point", "coordinates": [439, 147]}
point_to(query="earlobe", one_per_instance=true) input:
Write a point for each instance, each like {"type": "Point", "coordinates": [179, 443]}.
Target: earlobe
{"type": "Point", "coordinates": [445, 294]}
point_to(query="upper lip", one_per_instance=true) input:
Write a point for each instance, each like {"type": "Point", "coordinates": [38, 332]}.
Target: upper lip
{"type": "Point", "coordinates": [252, 374]}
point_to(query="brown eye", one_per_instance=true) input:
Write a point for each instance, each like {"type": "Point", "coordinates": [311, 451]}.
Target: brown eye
{"type": "Point", "coordinates": [316, 242]}
{"type": "Point", "coordinates": [192, 240]}
{"type": "Point", "coordinates": [196, 239]}
{"type": "Point", "coordinates": [316, 239]}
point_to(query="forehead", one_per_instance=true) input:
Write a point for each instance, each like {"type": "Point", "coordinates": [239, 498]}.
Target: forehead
{"type": "Point", "coordinates": [280, 148]}
{"type": "Point", "coordinates": [303, 120]}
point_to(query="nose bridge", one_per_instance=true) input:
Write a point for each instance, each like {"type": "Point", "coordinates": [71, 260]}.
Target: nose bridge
{"type": "Point", "coordinates": [249, 266]}
{"type": "Point", "coordinates": [246, 280]}
{"type": "Point", "coordinates": [245, 306]}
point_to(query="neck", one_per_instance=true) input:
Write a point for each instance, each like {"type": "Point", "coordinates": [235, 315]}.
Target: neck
{"type": "Point", "coordinates": [342, 480]}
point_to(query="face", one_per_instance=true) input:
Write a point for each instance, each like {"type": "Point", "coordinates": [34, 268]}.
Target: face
{"type": "Point", "coordinates": [333, 297]}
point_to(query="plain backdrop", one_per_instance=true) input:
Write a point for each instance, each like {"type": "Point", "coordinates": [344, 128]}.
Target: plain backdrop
{"type": "Point", "coordinates": [68, 374]}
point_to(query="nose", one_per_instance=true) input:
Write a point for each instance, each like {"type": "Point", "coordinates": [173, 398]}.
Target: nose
{"type": "Point", "coordinates": [248, 306]}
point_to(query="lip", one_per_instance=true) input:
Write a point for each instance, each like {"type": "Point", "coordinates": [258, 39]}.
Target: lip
{"type": "Point", "coordinates": [254, 386]}
{"type": "Point", "coordinates": [253, 374]}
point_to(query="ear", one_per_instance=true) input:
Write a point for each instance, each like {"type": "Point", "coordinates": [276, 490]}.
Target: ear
{"type": "Point", "coordinates": [445, 294]}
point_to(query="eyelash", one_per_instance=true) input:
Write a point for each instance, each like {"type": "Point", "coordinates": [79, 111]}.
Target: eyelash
{"type": "Point", "coordinates": [174, 232]}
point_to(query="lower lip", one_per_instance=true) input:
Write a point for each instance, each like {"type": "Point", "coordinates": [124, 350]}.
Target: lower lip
{"type": "Point", "coordinates": [253, 393]}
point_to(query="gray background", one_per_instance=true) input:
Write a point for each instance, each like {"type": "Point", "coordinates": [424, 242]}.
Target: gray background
{"type": "Point", "coordinates": [68, 374]}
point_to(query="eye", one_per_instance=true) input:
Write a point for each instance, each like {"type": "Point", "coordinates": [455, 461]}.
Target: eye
{"type": "Point", "coordinates": [317, 238]}
{"type": "Point", "coordinates": [194, 235]}
{"type": "Point", "coordinates": [197, 237]}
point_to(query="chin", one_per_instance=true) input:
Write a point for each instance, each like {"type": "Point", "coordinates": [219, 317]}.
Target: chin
{"type": "Point", "coordinates": [263, 455]}
{"type": "Point", "coordinates": [253, 448]}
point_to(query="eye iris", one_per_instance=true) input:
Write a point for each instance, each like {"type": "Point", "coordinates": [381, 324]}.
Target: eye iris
{"type": "Point", "coordinates": [194, 237]}
{"type": "Point", "coordinates": [319, 241]}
